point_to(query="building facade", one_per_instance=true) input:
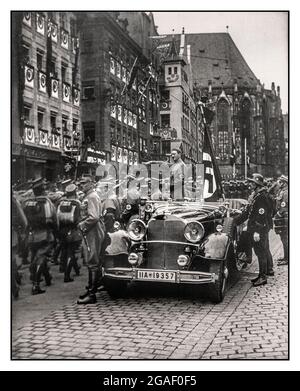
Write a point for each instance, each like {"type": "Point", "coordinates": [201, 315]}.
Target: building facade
{"type": "Point", "coordinates": [243, 108]}
{"type": "Point", "coordinates": [179, 114]}
{"type": "Point", "coordinates": [119, 90]}
{"type": "Point", "coordinates": [46, 129]}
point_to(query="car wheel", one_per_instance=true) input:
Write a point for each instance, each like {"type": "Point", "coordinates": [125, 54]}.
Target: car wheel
{"type": "Point", "coordinates": [235, 264]}
{"type": "Point", "coordinates": [115, 288]}
{"type": "Point", "coordinates": [217, 289]}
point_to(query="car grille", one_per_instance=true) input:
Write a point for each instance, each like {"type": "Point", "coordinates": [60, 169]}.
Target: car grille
{"type": "Point", "coordinates": [164, 255]}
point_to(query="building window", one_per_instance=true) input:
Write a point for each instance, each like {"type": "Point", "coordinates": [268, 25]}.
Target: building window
{"type": "Point", "coordinates": [89, 92]}
{"type": "Point", "coordinates": [175, 70]}
{"type": "Point", "coordinates": [166, 147]}
{"type": "Point", "coordinates": [63, 20]}
{"type": "Point", "coordinates": [75, 127]}
{"type": "Point", "coordinates": [40, 119]}
{"type": "Point", "coordinates": [165, 120]}
{"type": "Point", "coordinates": [64, 72]}
{"type": "Point", "coordinates": [53, 117]}
{"type": "Point", "coordinates": [65, 124]}
{"type": "Point", "coordinates": [89, 131]}
{"type": "Point", "coordinates": [169, 70]}
{"type": "Point", "coordinates": [73, 28]}
{"type": "Point", "coordinates": [27, 110]}
{"type": "Point", "coordinates": [39, 60]}
{"type": "Point", "coordinates": [165, 95]}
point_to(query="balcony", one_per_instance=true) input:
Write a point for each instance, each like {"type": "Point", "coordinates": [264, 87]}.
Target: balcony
{"type": "Point", "coordinates": [54, 32]}
{"type": "Point", "coordinates": [27, 18]}
{"type": "Point", "coordinates": [64, 39]}
{"type": "Point", "coordinates": [29, 75]}
{"type": "Point", "coordinates": [43, 137]}
{"type": "Point", "coordinates": [76, 96]}
{"type": "Point", "coordinates": [29, 134]}
{"type": "Point", "coordinates": [42, 82]}
{"type": "Point", "coordinates": [54, 87]}
{"type": "Point", "coordinates": [66, 92]}
{"type": "Point", "coordinates": [40, 24]}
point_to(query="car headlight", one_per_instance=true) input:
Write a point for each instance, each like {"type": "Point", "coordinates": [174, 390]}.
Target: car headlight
{"type": "Point", "coordinates": [137, 230]}
{"type": "Point", "coordinates": [117, 226]}
{"type": "Point", "coordinates": [194, 231]}
{"type": "Point", "coordinates": [149, 208]}
{"type": "Point", "coordinates": [128, 207]}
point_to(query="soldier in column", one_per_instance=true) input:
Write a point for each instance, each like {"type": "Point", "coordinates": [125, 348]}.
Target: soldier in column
{"type": "Point", "coordinates": [68, 215]}
{"type": "Point", "coordinates": [259, 215]}
{"type": "Point", "coordinates": [281, 217]}
{"type": "Point", "coordinates": [19, 225]}
{"type": "Point", "coordinates": [42, 222]}
{"type": "Point", "coordinates": [93, 231]}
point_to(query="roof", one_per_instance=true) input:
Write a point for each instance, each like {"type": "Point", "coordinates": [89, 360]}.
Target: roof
{"type": "Point", "coordinates": [215, 57]}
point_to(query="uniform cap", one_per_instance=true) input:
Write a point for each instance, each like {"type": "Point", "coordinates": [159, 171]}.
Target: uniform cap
{"type": "Point", "coordinates": [284, 178]}
{"type": "Point", "coordinates": [258, 179]}
{"type": "Point", "coordinates": [36, 183]}
{"type": "Point", "coordinates": [70, 189]}
{"type": "Point", "coordinates": [85, 179]}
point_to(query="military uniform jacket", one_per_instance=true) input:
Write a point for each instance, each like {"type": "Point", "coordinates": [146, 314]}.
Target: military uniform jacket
{"type": "Point", "coordinates": [282, 202]}
{"type": "Point", "coordinates": [92, 225]}
{"type": "Point", "coordinates": [258, 212]}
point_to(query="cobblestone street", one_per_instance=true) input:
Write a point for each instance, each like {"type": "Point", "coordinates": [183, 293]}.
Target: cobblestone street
{"type": "Point", "coordinates": [251, 323]}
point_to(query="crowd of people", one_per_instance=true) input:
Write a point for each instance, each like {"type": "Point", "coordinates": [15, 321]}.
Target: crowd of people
{"type": "Point", "coordinates": [66, 223]}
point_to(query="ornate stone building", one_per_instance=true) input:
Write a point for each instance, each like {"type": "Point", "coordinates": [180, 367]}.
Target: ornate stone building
{"type": "Point", "coordinates": [243, 107]}
{"type": "Point", "coordinates": [117, 121]}
{"type": "Point", "coordinates": [45, 94]}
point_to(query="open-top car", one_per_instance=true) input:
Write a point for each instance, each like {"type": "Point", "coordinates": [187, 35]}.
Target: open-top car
{"type": "Point", "coordinates": [175, 243]}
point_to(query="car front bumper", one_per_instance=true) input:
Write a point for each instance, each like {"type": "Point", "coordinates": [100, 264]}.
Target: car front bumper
{"type": "Point", "coordinates": [155, 275]}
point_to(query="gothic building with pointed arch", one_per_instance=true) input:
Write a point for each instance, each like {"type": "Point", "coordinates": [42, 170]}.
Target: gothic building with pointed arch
{"type": "Point", "coordinates": [244, 109]}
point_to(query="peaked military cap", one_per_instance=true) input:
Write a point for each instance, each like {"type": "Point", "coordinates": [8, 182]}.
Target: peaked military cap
{"type": "Point", "coordinates": [258, 179]}
{"type": "Point", "coordinates": [71, 189]}
{"type": "Point", "coordinates": [284, 178]}
{"type": "Point", "coordinates": [38, 182]}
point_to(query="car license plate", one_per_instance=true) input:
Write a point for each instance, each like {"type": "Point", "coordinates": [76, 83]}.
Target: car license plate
{"type": "Point", "coordinates": [156, 275]}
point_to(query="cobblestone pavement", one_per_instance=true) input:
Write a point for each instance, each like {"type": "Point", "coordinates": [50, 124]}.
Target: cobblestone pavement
{"type": "Point", "coordinates": [251, 323]}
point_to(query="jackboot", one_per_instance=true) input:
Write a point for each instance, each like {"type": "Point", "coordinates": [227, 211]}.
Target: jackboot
{"type": "Point", "coordinates": [89, 299]}
{"type": "Point", "coordinates": [46, 272]}
{"type": "Point", "coordinates": [68, 269]}
{"type": "Point", "coordinates": [255, 279]}
{"type": "Point", "coordinates": [261, 281]}
{"type": "Point", "coordinates": [89, 286]}
{"type": "Point", "coordinates": [76, 266]}
{"type": "Point", "coordinates": [36, 284]}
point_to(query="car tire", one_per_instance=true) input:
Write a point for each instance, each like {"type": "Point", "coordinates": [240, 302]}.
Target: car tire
{"type": "Point", "coordinates": [115, 288]}
{"type": "Point", "coordinates": [229, 228]}
{"type": "Point", "coordinates": [217, 289]}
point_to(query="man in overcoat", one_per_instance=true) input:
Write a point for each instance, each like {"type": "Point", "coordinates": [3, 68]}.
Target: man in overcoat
{"type": "Point", "coordinates": [93, 231]}
{"type": "Point", "coordinates": [259, 215]}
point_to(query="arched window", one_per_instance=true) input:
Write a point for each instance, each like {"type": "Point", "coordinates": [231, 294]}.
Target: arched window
{"type": "Point", "coordinates": [223, 117]}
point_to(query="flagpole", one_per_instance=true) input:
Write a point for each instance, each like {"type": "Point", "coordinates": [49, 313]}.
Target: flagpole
{"type": "Point", "coordinates": [245, 158]}
{"type": "Point", "coordinates": [233, 166]}
{"type": "Point", "coordinates": [129, 76]}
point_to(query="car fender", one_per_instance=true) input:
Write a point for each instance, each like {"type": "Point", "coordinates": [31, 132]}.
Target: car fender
{"type": "Point", "coordinates": [215, 246]}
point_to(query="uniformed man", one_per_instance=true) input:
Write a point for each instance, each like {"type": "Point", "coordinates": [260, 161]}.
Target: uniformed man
{"type": "Point", "coordinates": [281, 217]}
{"type": "Point", "coordinates": [19, 225]}
{"type": "Point", "coordinates": [259, 215]}
{"type": "Point", "coordinates": [42, 220]}
{"type": "Point", "coordinates": [177, 175]}
{"type": "Point", "coordinates": [68, 215]}
{"type": "Point", "coordinates": [93, 230]}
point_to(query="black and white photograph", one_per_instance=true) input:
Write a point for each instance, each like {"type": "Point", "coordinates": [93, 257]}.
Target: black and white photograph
{"type": "Point", "coordinates": [149, 186]}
